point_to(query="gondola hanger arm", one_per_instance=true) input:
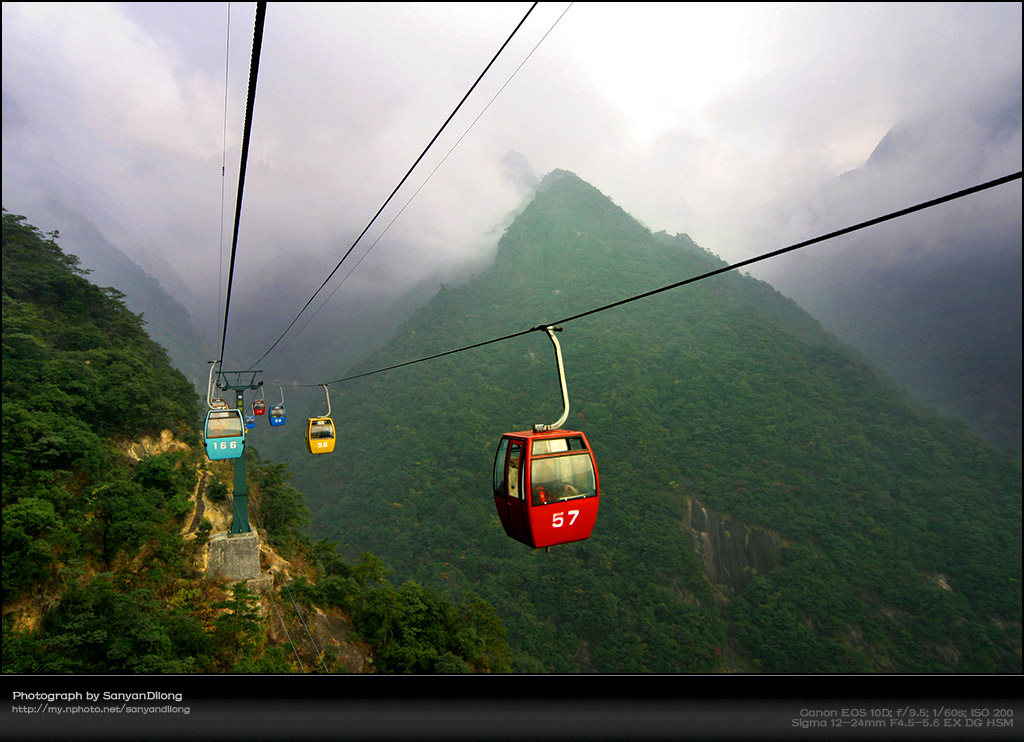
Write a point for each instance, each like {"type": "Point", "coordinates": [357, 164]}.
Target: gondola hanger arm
{"type": "Point", "coordinates": [209, 385]}
{"type": "Point", "coordinates": [541, 428]}
{"type": "Point", "coordinates": [328, 394]}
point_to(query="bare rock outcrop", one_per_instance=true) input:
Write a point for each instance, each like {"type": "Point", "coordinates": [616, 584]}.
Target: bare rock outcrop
{"type": "Point", "coordinates": [731, 551]}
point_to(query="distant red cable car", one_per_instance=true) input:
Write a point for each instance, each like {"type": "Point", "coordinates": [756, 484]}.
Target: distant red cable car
{"type": "Point", "coordinates": [546, 488]}
{"type": "Point", "coordinates": [259, 406]}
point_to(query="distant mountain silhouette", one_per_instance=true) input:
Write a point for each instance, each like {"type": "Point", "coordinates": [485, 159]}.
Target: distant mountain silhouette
{"type": "Point", "coordinates": [935, 299]}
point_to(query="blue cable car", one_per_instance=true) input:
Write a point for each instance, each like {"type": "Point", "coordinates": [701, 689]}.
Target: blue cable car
{"type": "Point", "coordinates": [277, 415]}
{"type": "Point", "coordinates": [250, 422]}
{"type": "Point", "coordinates": [224, 434]}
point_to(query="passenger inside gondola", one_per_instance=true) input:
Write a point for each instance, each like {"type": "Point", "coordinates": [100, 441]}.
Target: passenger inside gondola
{"type": "Point", "coordinates": [548, 492]}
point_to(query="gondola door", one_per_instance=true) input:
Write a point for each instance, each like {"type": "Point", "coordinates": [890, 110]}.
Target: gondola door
{"type": "Point", "coordinates": [509, 492]}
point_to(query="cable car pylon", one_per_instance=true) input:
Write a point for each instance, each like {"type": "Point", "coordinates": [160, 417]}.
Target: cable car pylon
{"type": "Point", "coordinates": [219, 446]}
{"type": "Point", "coordinates": [546, 488]}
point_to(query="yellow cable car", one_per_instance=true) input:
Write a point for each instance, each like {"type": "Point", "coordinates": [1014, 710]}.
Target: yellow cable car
{"type": "Point", "coordinates": [320, 433]}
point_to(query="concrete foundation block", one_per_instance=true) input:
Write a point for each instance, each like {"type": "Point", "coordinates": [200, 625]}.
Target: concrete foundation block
{"type": "Point", "coordinates": [235, 556]}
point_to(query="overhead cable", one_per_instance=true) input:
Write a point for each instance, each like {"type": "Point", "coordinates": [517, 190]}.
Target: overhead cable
{"type": "Point", "coordinates": [316, 650]}
{"type": "Point", "coordinates": [295, 650]}
{"type": "Point", "coordinates": [254, 67]}
{"type": "Point", "coordinates": [396, 189]}
{"type": "Point", "coordinates": [734, 266]}
{"type": "Point", "coordinates": [775, 253]}
{"type": "Point", "coordinates": [223, 159]}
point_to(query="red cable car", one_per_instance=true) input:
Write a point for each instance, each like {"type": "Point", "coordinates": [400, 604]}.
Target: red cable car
{"type": "Point", "coordinates": [546, 488]}
{"type": "Point", "coordinates": [259, 406]}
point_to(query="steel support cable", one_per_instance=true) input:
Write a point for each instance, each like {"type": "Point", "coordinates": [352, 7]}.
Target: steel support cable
{"type": "Point", "coordinates": [734, 266]}
{"type": "Point", "coordinates": [270, 595]}
{"type": "Point", "coordinates": [316, 649]}
{"type": "Point", "coordinates": [431, 175]}
{"type": "Point", "coordinates": [254, 67]}
{"type": "Point", "coordinates": [775, 253]}
{"type": "Point", "coordinates": [287, 633]}
{"type": "Point", "coordinates": [396, 189]}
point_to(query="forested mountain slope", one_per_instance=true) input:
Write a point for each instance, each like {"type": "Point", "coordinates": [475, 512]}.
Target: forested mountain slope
{"type": "Point", "coordinates": [104, 489]}
{"type": "Point", "coordinates": [158, 297]}
{"type": "Point", "coordinates": [81, 382]}
{"type": "Point", "coordinates": [896, 533]}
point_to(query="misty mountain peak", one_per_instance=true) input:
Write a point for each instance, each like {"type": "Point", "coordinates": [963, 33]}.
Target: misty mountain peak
{"type": "Point", "coordinates": [557, 175]}
{"type": "Point", "coordinates": [568, 220]}
{"type": "Point", "coordinates": [896, 141]}
{"type": "Point", "coordinates": [519, 171]}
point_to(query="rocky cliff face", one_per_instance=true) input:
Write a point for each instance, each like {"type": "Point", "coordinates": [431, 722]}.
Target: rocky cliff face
{"type": "Point", "coordinates": [732, 552]}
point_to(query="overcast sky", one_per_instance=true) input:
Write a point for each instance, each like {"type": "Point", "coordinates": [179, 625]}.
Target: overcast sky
{"type": "Point", "coordinates": [724, 121]}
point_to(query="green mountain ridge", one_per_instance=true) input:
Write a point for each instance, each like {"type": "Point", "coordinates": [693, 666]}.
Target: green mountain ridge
{"type": "Point", "coordinates": [901, 529]}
